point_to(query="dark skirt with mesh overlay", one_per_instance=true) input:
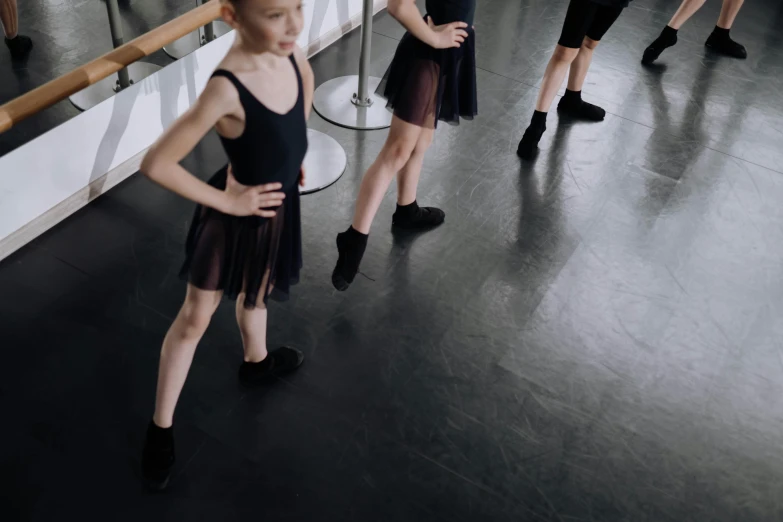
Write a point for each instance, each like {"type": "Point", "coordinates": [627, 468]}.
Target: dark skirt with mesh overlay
{"type": "Point", "coordinates": [424, 84]}
{"type": "Point", "coordinates": [260, 257]}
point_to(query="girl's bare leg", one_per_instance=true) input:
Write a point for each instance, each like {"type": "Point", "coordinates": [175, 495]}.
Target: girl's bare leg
{"type": "Point", "coordinates": [179, 346]}
{"type": "Point", "coordinates": [396, 153]}
{"type": "Point", "coordinates": [9, 17]}
{"type": "Point", "coordinates": [555, 73]}
{"type": "Point", "coordinates": [687, 9]}
{"type": "Point", "coordinates": [18, 44]}
{"type": "Point", "coordinates": [408, 177]}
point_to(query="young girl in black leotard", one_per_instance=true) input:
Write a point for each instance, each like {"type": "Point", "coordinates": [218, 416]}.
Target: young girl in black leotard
{"type": "Point", "coordinates": [586, 22]}
{"type": "Point", "coordinates": [245, 240]}
{"type": "Point", "coordinates": [432, 77]}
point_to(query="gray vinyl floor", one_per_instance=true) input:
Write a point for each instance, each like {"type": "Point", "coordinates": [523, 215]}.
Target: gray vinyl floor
{"type": "Point", "coordinates": [591, 336]}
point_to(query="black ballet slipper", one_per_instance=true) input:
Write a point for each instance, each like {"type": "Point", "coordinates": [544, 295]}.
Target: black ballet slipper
{"type": "Point", "coordinates": [20, 46]}
{"type": "Point", "coordinates": [158, 457]}
{"type": "Point", "coordinates": [414, 217]}
{"type": "Point", "coordinates": [667, 38]}
{"type": "Point", "coordinates": [528, 145]}
{"type": "Point", "coordinates": [720, 42]}
{"type": "Point", "coordinates": [351, 245]}
{"type": "Point", "coordinates": [573, 106]}
{"type": "Point", "coordinates": [278, 363]}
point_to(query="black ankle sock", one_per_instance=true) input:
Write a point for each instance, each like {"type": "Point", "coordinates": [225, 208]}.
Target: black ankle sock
{"type": "Point", "coordinates": [277, 363]}
{"type": "Point", "coordinates": [407, 211]}
{"type": "Point", "coordinates": [529, 142]}
{"type": "Point", "coordinates": [260, 366]}
{"type": "Point", "coordinates": [719, 32]}
{"type": "Point", "coordinates": [160, 436]}
{"type": "Point", "coordinates": [19, 46]}
{"type": "Point", "coordinates": [158, 456]}
{"type": "Point", "coordinates": [415, 217]}
{"type": "Point", "coordinates": [667, 38]}
{"type": "Point", "coordinates": [668, 35]}
{"type": "Point", "coordinates": [354, 235]}
{"type": "Point", "coordinates": [539, 119]}
{"type": "Point", "coordinates": [574, 106]}
{"type": "Point", "coordinates": [572, 96]}
{"type": "Point", "coordinates": [17, 41]}
{"type": "Point", "coordinates": [721, 42]}
{"type": "Point", "coordinates": [351, 245]}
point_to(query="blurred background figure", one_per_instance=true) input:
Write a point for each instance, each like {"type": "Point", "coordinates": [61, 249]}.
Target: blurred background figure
{"type": "Point", "coordinates": [18, 44]}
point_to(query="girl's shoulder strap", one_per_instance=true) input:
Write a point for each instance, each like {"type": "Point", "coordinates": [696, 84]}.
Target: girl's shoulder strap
{"type": "Point", "coordinates": [230, 77]}
{"type": "Point", "coordinates": [298, 72]}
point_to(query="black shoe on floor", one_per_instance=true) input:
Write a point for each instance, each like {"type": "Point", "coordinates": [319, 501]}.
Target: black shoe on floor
{"type": "Point", "coordinates": [350, 248]}
{"type": "Point", "coordinates": [158, 457]}
{"type": "Point", "coordinates": [528, 145]}
{"type": "Point", "coordinates": [414, 217]}
{"type": "Point", "coordinates": [721, 42]}
{"type": "Point", "coordinates": [20, 46]}
{"type": "Point", "coordinates": [278, 363]}
{"type": "Point", "coordinates": [580, 110]}
{"type": "Point", "coordinates": [652, 53]}
{"type": "Point", "coordinates": [667, 38]}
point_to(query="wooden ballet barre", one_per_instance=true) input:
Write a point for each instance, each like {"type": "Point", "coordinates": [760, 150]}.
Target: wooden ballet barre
{"type": "Point", "coordinates": [82, 77]}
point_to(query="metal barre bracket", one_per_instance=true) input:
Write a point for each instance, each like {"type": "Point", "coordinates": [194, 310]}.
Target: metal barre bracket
{"type": "Point", "coordinates": [108, 87]}
{"type": "Point", "coordinates": [202, 36]}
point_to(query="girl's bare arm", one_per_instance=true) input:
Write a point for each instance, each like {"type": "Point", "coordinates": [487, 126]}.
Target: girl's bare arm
{"type": "Point", "coordinates": [161, 164]}
{"type": "Point", "coordinates": [407, 13]}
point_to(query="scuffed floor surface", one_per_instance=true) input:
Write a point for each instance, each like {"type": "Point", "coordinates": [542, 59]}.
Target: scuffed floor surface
{"type": "Point", "coordinates": [594, 336]}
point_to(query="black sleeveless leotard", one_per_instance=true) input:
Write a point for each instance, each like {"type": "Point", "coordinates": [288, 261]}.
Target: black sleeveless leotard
{"type": "Point", "coordinates": [252, 255]}
{"type": "Point", "coordinates": [447, 11]}
{"type": "Point", "coordinates": [273, 145]}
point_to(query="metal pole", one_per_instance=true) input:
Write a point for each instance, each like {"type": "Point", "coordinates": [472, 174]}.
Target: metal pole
{"type": "Point", "coordinates": [209, 31]}
{"type": "Point", "coordinates": [103, 90]}
{"type": "Point", "coordinates": [363, 98]}
{"type": "Point", "coordinates": [115, 26]}
{"type": "Point", "coordinates": [338, 100]}
{"type": "Point", "coordinates": [201, 36]}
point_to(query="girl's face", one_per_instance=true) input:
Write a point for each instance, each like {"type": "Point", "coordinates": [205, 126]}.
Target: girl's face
{"type": "Point", "coordinates": [266, 25]}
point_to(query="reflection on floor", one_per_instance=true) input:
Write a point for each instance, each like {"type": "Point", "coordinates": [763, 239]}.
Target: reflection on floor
{"type": "Point", "coordinates": [593, 336]}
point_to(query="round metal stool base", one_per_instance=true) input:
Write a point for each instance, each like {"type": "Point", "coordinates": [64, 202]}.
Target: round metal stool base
{"type": "Point", "coordinates": [333, 102]}
{"type": "Point", "coordinates": [324, 164]}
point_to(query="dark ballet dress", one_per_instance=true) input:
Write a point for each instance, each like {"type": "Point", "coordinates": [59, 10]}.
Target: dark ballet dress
{"type": "Point", "coordinates": [252, 254]}
{"type": "Point", "coordinates": [424, 84]}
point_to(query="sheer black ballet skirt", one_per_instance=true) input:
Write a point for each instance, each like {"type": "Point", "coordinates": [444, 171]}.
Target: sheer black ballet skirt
{"type": "Point", "coordinates": [423, 84]}
{"type": "Point", "coordinates": [260, 257]}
